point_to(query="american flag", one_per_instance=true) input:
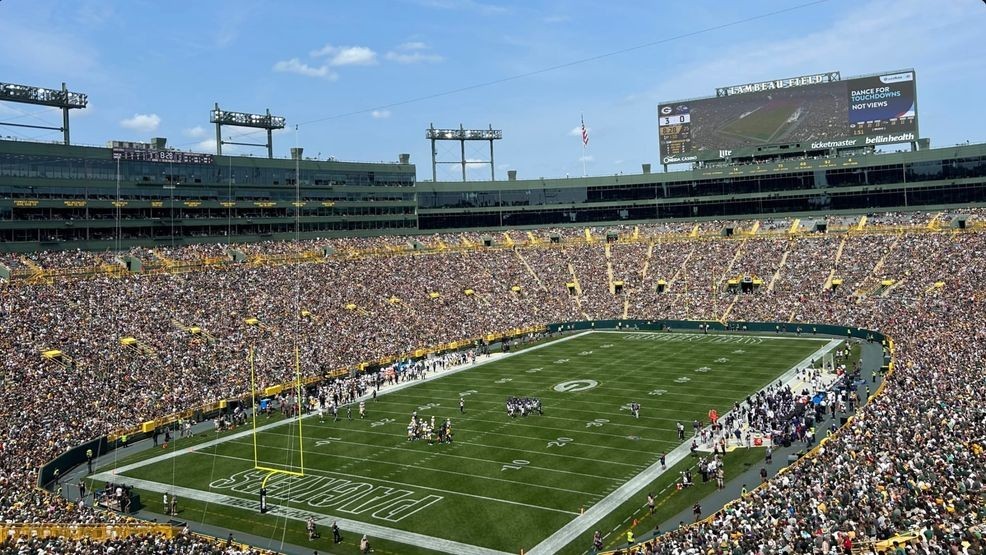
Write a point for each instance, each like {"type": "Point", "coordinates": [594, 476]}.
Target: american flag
{"type": "Point", "coordinates": [585, 134]}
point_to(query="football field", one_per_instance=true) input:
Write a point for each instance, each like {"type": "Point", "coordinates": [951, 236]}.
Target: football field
{"type": "Point", "coordinates": [763, 124]}
{"type": "Point", "coordinates": [505, 483]}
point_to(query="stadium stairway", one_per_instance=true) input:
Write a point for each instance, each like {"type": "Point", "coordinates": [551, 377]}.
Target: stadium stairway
{"type": "Point", "coordinates": [578, 291]}
{"type": "Point", "coordinates": [780, 266]}
{"type": "Point", "coordinates": [888, 288]}
{"type": "Point", "coordinates": [795, 226]}
{"type": "Point", "coordinates": [684, 264]}
{"type": "Point", "coordinates": [609, 270]}
{"type": "Point", "coordinates": [37, 272]}
{"type": "Point", "coordinates": [729, 269]}
{"type": "Point", "coordinates": [650, 253]}
{"type": "Point", "coordinates": [530, 270]}
{"type": "Point", "coordinates": [194, 330]}
{"type": "Point", "coordinates": [868, 287]}
{"type": "Point", "coordinates": [141, 349]}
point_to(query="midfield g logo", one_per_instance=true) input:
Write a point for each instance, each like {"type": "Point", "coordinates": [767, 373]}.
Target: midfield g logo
{"type": "Point", "coordinates": [575, 386]}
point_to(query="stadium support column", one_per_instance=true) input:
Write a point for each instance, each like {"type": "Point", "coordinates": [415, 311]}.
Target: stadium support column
{"type": "Point", "coordinates": [219, 134]}
{"type": "Point", "coordinates": [434, 155]}
{"type": "Point", "coordinates": [492, 167]}
{"type": "Point", "coordinates": [462, 150]}
{"type": "Point", "coordinates": [270, 138]}
{"type": "Point", "coordinates": [65, 115]}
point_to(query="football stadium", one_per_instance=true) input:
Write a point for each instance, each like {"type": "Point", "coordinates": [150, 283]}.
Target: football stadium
{"type": "Point", "coordinates": [772, 346]}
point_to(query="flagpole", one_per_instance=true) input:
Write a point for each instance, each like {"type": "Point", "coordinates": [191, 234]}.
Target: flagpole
{"type": "Point", "coordinates": [585, 143]}
{"type": "Point", "coordinates": [583, 160]}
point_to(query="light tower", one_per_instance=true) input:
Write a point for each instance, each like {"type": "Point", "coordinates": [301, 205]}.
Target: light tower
{"type": "Point", "coordinates": [242, 119]}
{"type": "Point", "coordinates": [56, 98]}
{"type": "Point", "coordinates": [462, 135]}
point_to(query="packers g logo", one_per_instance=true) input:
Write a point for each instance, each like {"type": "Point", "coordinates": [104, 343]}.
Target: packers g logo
{"type": "Point", "coordinates": [665, 110]}
{"type": "Point", "coordinates": [575, 386]}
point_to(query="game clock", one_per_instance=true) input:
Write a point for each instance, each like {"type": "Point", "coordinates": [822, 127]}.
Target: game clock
{"type": "Point", "coordinates": [674, 130]}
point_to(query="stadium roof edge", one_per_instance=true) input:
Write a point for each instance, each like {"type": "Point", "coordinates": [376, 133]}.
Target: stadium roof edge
{"type": "Point", "coordinates": [956, 151]}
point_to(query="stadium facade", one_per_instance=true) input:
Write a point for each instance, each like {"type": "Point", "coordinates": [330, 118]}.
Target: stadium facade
{"type": "Point", "coordinates": [55, 196]}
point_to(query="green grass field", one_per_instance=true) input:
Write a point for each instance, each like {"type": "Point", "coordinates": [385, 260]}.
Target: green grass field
{"type": "Point", "coordinates": [506, 483]}
{"type": "Point", "coordinates": [762, 125]}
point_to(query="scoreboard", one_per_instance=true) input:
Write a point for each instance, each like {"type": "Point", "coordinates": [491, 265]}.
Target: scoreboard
{"type": "Point", "coordinates": [815, 112]}
{"type": "Point", "coordinates": [675, 131]}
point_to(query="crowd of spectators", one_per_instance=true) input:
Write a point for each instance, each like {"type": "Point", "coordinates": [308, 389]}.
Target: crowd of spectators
{"type": "Point", "coordinates": [907, 462]}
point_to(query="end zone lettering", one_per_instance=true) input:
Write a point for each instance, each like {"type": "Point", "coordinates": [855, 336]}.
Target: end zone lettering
{"type": "Point", "coordinates": [381, 502]}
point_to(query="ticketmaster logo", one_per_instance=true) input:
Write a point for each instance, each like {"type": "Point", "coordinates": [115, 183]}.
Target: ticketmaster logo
{"type": "Point", "coordinates": [832, 144]}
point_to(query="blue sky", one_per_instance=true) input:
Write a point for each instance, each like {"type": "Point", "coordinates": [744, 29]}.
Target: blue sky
{"type": "Point", "coordinates": [344, 70]}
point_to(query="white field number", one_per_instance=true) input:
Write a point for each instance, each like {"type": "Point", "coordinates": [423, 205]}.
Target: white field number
{"type": "Point", "coordinates": [381, 422]}
{"type": "Point", "coordinates": [560, 442]}
{"type": "Point", "coordinates": [515, 465]}
{"type": "Point", "coordinates": [596, 423]}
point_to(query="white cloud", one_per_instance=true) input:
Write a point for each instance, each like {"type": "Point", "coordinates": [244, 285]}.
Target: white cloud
{"type": "Point", "coordinates": [209, 146]}
{"type": "Point", "coordinates": [414, 52]}
{"type": "Point", "coordinates": [294, 65]}
{"type": "Point", "coordinates": [194, 132]}
{"type": "Point", "coordinates": [837, 46]}
{"type": "Point", "coordinates": [45, 52]}
{"type": "Point", "coordinates": [380, 114]}
{"type": "Point", "coordinates": [413, 57]}
{"type": "Point", "coordinates": [346, 55]}
{"type": "Point", "coordinates": [473, 5]}
{"type": "Point", "coordinates": [144, 123]}
{"type": "Point", "coordinates": [413, 45]}
{"type": "Point", "coordinates": [94, 14]}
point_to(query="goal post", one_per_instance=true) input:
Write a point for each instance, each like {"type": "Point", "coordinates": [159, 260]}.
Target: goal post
{"type": "Point", "coordinates": [289, 470]}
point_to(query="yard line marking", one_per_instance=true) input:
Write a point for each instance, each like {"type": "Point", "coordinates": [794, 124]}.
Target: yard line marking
{"type": "Point", "coordinates": [514, 422]}
{"type": "Point", "coordinates": [356, 526]}
{"type": "Point", "coordinates": [497, 447]}
{"type": "Point", "coordinates": [391, 389]}
{"type": "Point", "coordinates": [719, 336]}
{"type": "Point", "coordinates": [427, 468]}
{"type": "Point", "coordinates": [406, 450]}
{"type": "Point", "coordinates": [611, 502]}
{"type": "Point", "coordinates": [368, 478]}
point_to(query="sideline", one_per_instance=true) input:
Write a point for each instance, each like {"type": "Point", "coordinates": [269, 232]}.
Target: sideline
{"type": "Point", "coordinates": [374, 530]}
{"type": "Point", "coordinates": [584, 522]}
{"type": "Point", "coordinates": [383, 391]}
{"type": "Point", "coordinates": [323, 520]}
